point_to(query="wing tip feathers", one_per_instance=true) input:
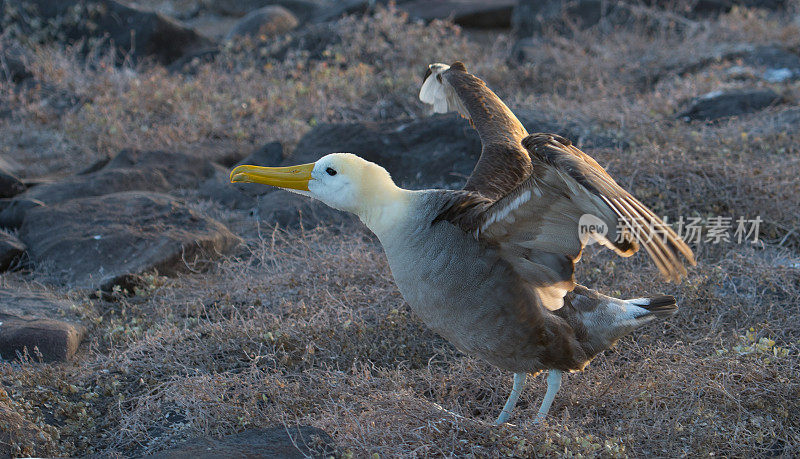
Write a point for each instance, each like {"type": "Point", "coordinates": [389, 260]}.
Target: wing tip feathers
{"type": "Point", "coordinates": [432, 91]}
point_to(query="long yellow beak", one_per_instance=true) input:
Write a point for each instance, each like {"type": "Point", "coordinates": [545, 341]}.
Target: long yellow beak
{"type": "Point", "coordinates": [294, 177]}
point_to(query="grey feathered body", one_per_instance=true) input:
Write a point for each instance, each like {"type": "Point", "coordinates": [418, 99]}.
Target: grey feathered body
{"type": "Point", "coordinates": [463, 290]}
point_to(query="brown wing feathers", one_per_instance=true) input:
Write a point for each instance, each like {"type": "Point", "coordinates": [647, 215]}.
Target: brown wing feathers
{"type": "Point", "coordinates": [640, 225]}
{"type": "Point", "coordinates": [560, 180]}
{"type": "Point", "coordinates": [503, 164]}
{"type": "Point", "coordinates": [494, 121]}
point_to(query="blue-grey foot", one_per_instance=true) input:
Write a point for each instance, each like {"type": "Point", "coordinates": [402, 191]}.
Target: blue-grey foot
{"type": "Point", "coordinates": [553, 384]}
{"type": "Point", "coordinates": [519, 384]}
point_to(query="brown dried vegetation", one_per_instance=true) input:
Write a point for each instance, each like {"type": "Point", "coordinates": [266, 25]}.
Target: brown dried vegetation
{"type": "Point", "coordinates": [307, 327]}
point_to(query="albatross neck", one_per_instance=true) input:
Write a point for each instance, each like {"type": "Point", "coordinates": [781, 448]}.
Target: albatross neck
{"type": "Point", "coordinates": [385, 208]}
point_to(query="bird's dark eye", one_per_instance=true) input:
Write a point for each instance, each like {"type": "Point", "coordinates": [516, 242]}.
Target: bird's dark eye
{"type": "Point", "coordinates": [330, 171]}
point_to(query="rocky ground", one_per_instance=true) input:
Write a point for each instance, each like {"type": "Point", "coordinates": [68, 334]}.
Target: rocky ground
{"type": "Point", "coordinates": [147, 306]}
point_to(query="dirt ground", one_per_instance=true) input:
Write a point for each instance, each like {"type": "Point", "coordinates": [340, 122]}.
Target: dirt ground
{"type": "Point", "coordinates": [307, 327]}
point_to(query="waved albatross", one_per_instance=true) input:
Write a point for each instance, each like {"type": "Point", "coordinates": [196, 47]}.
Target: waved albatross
{"type": "Point", "coordinates": [490, 267]}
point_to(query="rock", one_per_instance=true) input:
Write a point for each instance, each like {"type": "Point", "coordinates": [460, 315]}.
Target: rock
{"type": "Point", "coordinates": [651, 69]}
{"type": "Point", "coordinates": [303, 10]}
{"type": "Point", "coordinates": [221, 151]}
{"type": "Point", "coordinates": [13, 64]}
{"type": "Point", "coordinates": [723, 104]}
{"type": "Point", "coordinates": [274, 442]}
{"type": "Point", "coordinates": [291, 210]}
{"type": "Point", "coordinates": [20, 437]}
{"type": "Point", "coordinates": [37, 320]}
{"type": "Point", "coordinates": [779, 75]}
{"type": "Point", "coordinates": [713, 7]}
{"type": "Point", "coordinates": [434, 151]}
{"type": "Point", "coordinates": [129, 170]}
{"type": "Point", "coordinates": [185, 170]}
{"type": "Point", "coordinates": [771, 56]}
{"type": "Point", "coordinates": [771, 63]}
{"type": "Point", "coordinates": [98, 183]}
{"type": "Point", "coordinates": [219, 188]}
{"type": "Point", "coordinates": [98, 242]}
{"type": "Point", "coordinates": [270, 154]}
{"type": "Point", "coordinates": [268, 21]}
{"type": "Point", "coordinates": [269, 205]}
{"type": "Point", "coordinates": [55, 340]}
{"type": "Point", "coordinates": [11, 250]}
{"type": "Point", "coordinates": [12, 211]}
{"type": "Point", "coordinates": [136, 33]}
{"type": "Point", "coordinates": [95, 166]}
{"type": "Point", "coordinates": [467, 13]}
{"type": "Point", "coordinates": [10, 184]}
{"type": "Point", "coordinates": [779, 64]}
{"type": "Point", "coordinates": [440, 150]}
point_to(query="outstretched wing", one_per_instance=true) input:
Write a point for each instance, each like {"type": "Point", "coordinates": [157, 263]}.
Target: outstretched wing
{"type": "Point", "coordinates": [504, 163]}
{"type": "Point", "coordinates": [542, 225]}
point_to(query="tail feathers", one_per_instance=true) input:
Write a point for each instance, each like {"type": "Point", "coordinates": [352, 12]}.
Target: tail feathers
{"type": "Point", "coordinates": [658, 306]}
{"type": "Point", "coordinates": [608, 319]}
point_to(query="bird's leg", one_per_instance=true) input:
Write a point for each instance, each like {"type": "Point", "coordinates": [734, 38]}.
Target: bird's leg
{"type": "Point", "coordinates": [553, 384]}
{"type": "Point", "coordinates": [519, 384]}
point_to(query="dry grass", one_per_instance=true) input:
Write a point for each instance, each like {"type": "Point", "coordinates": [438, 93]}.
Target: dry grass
{"type": "Point", "coordinates": [307, 327]}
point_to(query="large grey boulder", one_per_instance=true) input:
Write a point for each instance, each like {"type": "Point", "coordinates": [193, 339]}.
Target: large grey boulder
{"type": "Point", "coordinates": [98, 183]}
{"type": "Point", "coordinates": [266, 22]}
{"type": "Point", "coordinates": [291, 210]}
{"type": "Point", "coordinates": [724, 104]}
{"type": "Point", "coordinates": [12, 211]}
{"type": "Point", "coordinates": [440, 150]}
{"type": "Point", "coordinates": [38, 321]}
{"type": "Point", "coordinates": [761, 59]}
{"type": "Point", "coordinates": [219, 188]}
{"type": "Point", "coordinates": [101, 241]}
{"type": "Point", "coordinates": [184, 170]}
{"type": "Point", "coordinates": [135, 32]}
{"type": "Point", "coordinates": [713, 7]}
{"type": "Point", "coordinates": [128, 171]}
{"type": "Point", "coordinates": [772, 56]}
{"type": "Point", "coordinates": [467, 13]}
{"type": "Point", "coordinates": [303, 9]}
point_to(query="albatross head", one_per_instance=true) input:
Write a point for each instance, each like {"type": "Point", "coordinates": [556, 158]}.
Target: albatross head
{"type": "Point", "coordinates": [341, 180]}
